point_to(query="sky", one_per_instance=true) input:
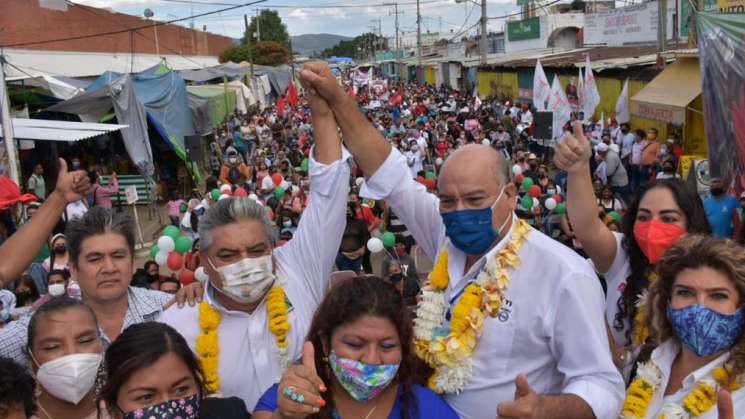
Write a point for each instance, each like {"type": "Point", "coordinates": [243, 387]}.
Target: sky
{"type": "Point", "coordinates": [323, 16]}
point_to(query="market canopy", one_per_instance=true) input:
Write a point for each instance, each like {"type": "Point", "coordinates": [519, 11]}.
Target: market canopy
{"type": "Point", "coordinates": [48, 130]}
{"type": "Point", "coordinates": [666, 98]}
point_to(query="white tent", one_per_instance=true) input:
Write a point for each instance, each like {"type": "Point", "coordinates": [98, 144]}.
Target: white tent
{"type": "Point", "coordinates": [48, 130]}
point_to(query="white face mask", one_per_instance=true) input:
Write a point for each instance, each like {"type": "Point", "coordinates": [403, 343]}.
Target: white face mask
{"type": "Point", "coordinates": [70, 377]}
{"type": "Point", "coordinates": [248, 280]}
{"type": "Point", "coordinates": [56, 290]}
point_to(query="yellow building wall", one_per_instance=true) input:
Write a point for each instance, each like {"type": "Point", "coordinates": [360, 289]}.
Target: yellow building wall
{"type": "Point", "coordinates": [695, 132]}
{"type": "Point", "coordinates": [429, 75]}
{"type": "Point", "coordinates": [501, 85]}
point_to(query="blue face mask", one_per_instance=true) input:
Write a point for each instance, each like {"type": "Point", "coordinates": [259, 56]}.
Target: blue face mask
{"type": "Point", "coordinates": [5, 315]}
{"type": "Point", "coordinates": [705, 331]}
{"type": "Point", "coordinates": [471, 230]}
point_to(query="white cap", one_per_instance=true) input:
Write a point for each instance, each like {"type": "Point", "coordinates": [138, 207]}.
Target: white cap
{"type": "Point", "coordinates": [602, 148]}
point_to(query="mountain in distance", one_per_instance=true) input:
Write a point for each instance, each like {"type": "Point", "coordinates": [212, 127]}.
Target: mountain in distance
{"type": "Point", "coordinates": [314, 44]}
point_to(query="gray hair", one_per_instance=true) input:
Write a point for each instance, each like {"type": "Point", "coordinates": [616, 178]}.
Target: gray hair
{"type": "Point", "coordinates": [233, 210]}
{"type": "Point", "coordinates": [98, 220]}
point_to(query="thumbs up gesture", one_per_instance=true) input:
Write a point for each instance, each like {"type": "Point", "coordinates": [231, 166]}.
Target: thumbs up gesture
{"type": "Point", "coordinates": [725, 409]}
{"type": "Point", "coordinates": [527, 403]}
{"type": "Point", "coordinates": [72, 186]}
{"type": "Point", "coordinates": [574, 152]}
{"type": "Point", "coordinates": [299, 392]}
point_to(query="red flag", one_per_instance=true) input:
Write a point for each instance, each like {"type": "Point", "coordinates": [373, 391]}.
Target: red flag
{"type": "Point", "coordinates": [292, 94]}
{"type": "Point", "coordinates": [350, 91]}
{"type": "Point", "coordinates": [281, 106]}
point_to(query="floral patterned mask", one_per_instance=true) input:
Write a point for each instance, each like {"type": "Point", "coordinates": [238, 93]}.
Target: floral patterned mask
{"type": "Point", "coordinates": [185, 408]}
{"type": "Point", "coordinates": [362, 381]}
{"type": "Point", "coordinates": [705, 331]}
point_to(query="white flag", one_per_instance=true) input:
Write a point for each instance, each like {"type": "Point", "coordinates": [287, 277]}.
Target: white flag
{"type": "Point", "coordinates": [580, 92]}
{"type": "Point", "coordinates": [592, 95]}
{"type": "Point", "coordinates": [559, 105]}
{"type": "Point", "coordinates": [541, 88]}
{"type": "Point", "coordinates": [622, 105]}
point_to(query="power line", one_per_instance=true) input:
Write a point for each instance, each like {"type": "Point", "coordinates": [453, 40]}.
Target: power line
{"type": "Point", "coordinates": [95, 35]}
{"type": "Point", "coordinates": [318, 6]}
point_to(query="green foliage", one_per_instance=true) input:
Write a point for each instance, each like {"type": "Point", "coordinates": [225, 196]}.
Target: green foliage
{"type": "Point", "coordinates": [366, 41]}
{"type": "Point", "coordinates": [264, 53]}
{"type": "Point", "coordinates": [270, 26]}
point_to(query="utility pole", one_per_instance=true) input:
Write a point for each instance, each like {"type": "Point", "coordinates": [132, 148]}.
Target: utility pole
{"type": "Point", "coordinates": [250, 55]}
{"type": "Point", "coordinates": [662, 26]}
{"type": "Point", "coordinates": [6, 121]}
{"type": "Point", "coordinates": [258, 25]}
{"type": "Point", "coordinates": [420, 76]}
{"type": "Point", "coordinates": [483, 32]}
{"type": "Point", "coordinates": [398, 42]}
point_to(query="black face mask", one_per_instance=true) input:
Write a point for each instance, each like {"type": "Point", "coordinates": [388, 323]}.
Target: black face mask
{"type": "Point", "coordinates": [22, 298]}
{"type": "Point", "coordinates": [533, 166]}
{"type": "Point", "coordinates": [717, 191]}
{"type": "Point", "coordinates": [395, 277]}
{"type": "Point", "coordinates": [60, 250]}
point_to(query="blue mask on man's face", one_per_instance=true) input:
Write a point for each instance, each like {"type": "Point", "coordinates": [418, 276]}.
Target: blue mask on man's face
{"type": "Point", "coordinates": [471, 230]}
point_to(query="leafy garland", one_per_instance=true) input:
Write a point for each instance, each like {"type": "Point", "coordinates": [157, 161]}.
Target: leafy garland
{"type": "Point", "coordinates": [699, 401]}
{"type": "Point", "coordinates": [207, 342]}
{"type": "Point", "coordinates": [449, 350]}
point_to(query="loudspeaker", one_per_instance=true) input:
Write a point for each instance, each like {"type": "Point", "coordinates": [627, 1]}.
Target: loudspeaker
{"type": "Point", "coordinates": [544, 125]}
{"type": "Point", "coordinates": [194, 148]}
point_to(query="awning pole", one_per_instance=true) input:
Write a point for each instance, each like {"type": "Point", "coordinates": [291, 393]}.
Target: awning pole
{"type": "Point", "coordinates": [5, 120]}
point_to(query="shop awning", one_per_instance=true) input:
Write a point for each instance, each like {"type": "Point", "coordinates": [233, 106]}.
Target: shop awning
{"type": "Point", "coordinates": [666, 98]}
{"type": "Point", "coordinates": [49, 130]}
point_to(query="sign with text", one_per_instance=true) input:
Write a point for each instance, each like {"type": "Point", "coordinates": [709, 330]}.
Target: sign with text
{"type": "Point", "coordinates": [131, 193]}
{"type": "Point", "coordinates": [627, 25]}
{"type": "Point", "coordinates": [524, 29]}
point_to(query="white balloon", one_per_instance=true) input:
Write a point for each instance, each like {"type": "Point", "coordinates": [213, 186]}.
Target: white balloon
{"type": "Point", "coordinates": [558, 189]}
{"type": "Point", "coordinates": [294, 190]}
{"type": "Point", "coordinates": [439, 161]}
{"type": "Point", "coordinates": [485, 141]}
{"type": "Point", "coordinates": [201, 275]}
{"type": "Point", "coordinates": [375, 245]}
{"type": "Point", "coordinates": [223, 196]}
{"type": "Point", "coordinates": [359, 181]}
{"type": "Point", "coordinates": [536, 202]}
{"type": "Point", "coordinates": [166, 245]}
{"type": "Point", "coordinates": [253, 196]}
{"type": "Point", "coordinates": [285, 185]}
{"type": "Point", "coordinates": [550, 204]}
{"type": "Point", "coordinates": [517, 170]}
{"type": "Point", "coordinates": [225, 188]}
{"type": "Point", "coordinates": [162, 257]}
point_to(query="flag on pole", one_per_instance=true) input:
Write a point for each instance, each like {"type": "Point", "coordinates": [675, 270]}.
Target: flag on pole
{"type": "Point", "coordinates": [580, 93]}
{"type": "Point", "coordinates": [622, 105]}
{"type": "Point", "coordinates": [281, 106]}
{"type": "Point", "coordinates": [292, 94]}
{"type": "Point", "coordinates": [591, 95]}
{"type": "Point", "coordinates": [559, 105]}
{"type": "Point", "coordinates": [541, 88]}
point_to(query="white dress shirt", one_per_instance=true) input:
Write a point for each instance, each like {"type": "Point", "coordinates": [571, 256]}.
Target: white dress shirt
{"type": "Point", "coordinates": [248, 362]}
{"type": "Point", "coordinates": [664, 356]}
{"type": "Point", "coordinates": [550, 326]}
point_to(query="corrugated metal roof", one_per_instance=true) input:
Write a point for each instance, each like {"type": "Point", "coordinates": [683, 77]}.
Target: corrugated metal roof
{"type": "Point", "coordinates": [48, 130]}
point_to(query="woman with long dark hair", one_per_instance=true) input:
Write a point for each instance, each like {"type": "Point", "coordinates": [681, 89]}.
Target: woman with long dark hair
{"type": "Point", "coordinates": [151, 372]}
{"type": "Point", "coordinates": [659, 214]}
{"type": "Point", "coordinates": [358, 362]}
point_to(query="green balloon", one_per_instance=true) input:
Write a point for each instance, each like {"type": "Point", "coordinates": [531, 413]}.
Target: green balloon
{"type": "Point", "coordinates": [389, 240]}
{"type": "Point", "coordinates": [561, 209]}
{"type": "Point", "coordinates": [183, 244]}
{"type": "Point", "coordinates": [154, 251]}
{"type": "Point", "coordinates": [172, 232]}
{"type": "Point", "coordinates": [215, 194]}
{"type": "Point", "coordinates": [527, 202]}
{"type": "Point", "coordinates": [279, 192]}
{"type": "Point", "coordinates": [304, 165]}
{"type": "Point", "coordinates": [527, 183]}
{"type": "Point", "coordinates": [183, 207]}
{"type": "Point", "coordinates": [616, 216]}
{"type": "Point", "coordinates": [430, 175]}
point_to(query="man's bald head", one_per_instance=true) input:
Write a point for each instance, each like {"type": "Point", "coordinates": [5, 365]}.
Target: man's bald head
{"type": "Point", "coordinates": [477, 159]}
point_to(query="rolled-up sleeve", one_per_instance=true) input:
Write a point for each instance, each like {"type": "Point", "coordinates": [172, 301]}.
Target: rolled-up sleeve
{"type": "Point", "coordinates": [579, 344]}
{"type": "Point", "coordinates": [315, 244]}
{"type": "Point", "coordinates": [413, 205]}
{"type": "Point", "coordinates": [13, 340]}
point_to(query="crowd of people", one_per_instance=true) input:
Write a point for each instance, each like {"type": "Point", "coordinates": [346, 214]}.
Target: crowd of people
{"type": "Point", "coordinates": [417, 255]}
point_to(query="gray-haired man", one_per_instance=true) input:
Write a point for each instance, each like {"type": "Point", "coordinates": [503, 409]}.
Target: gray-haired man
{"type": "Point", "coordinates": [238, 255]}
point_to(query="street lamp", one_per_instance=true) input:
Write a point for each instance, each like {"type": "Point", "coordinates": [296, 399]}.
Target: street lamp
{"type": "Point", "coordinates": [482, 44]}
{"type": "Point", "coordinates": [149, 14]}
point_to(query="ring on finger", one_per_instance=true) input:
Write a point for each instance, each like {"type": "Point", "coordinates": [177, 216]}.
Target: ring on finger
{"type": "Point", "coordinates": [291, 393]}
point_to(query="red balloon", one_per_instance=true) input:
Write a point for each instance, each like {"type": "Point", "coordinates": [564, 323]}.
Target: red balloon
{"type": "Point", "coordinates": [558, 198]}
{"type": "Point", "coordinates": [175, 261]}
{"type": "Point", "coordinates": [186, 277]}
{"type": "Point", "coordinates": [228, 192]}
{"type": "Point", "coordinates": [430, 183]}
{"type": "Point", "coordinates": [277, 179]}
{"type": "Point", "coordinates": [519, 179]}
{"type": "Point", "coordinates": [241, 192]}
{"type": "Point", "coordinates": [534, 191]}
{"type": "Point", "coordinates": [420, 179]}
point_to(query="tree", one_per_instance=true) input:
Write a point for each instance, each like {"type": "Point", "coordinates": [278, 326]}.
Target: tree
{"type": "Point", "coordinates": [359, 47]}
{"type": "Point", "coordinates": [264, 53]}
{"type": "Point", "coordinates": [270, 26]}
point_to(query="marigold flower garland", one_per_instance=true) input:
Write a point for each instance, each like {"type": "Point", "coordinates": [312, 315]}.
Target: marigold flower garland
{"type": "Point", "coordinates": [700, 400]}
{"type": "Point", "coordinates": [207, 342]}
{"type": "Point", "coordinates": [449, 350]}
{"type": "Point", "coordinates": [640, 332]}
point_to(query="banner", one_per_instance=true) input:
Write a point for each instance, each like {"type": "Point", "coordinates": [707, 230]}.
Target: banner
{"type": "Point", "coordinates": [627, 25]}
{"type": "Point", "coordinates": [541, 88]}
{"type": "Point", "coordinates": [362, 77]}
{"type": "Point", "coordinates": [524, 29]}
{"type": "Point", "coordinates": [622, 105]}
{"type": "Point", "coordinates": [721, 54]}
{"type": "Point", "coordinates": [559, 105]}
{"type": "Point", "coordinates": [591, 95]}
{"type": "Point", "coordinates": [379, 89]}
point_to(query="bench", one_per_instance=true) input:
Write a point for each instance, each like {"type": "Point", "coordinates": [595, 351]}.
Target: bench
{"type": "Point", "coordinates": [143, 189]}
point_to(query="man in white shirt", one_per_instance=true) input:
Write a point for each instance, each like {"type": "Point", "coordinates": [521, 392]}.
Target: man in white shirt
{"type": "Point", "coordinates": [414, 158]}
{"type": "Point", "coordinates": [236, 245]}
{"type": "Point", "coordinates": [546, 353]}
{"type": "Point", "coordinates": [627, 142]}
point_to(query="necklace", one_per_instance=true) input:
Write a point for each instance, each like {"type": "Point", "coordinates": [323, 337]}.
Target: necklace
{"type": "Point", "coordinates": [371, 411]}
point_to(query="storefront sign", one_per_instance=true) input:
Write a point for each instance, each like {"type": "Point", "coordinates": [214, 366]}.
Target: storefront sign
{"type": "Point", "coordinates": [524, 29]}
{"type": "Point", "coordinates": [656, 112]}
{"type": "Point", "coordinates": [731, 6]}
{"type": "Point", "coordinates": [627, 25]}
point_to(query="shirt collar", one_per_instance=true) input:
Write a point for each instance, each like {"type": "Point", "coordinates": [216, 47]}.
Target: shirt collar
{"type": "Point", "coordinates": [665, 355]}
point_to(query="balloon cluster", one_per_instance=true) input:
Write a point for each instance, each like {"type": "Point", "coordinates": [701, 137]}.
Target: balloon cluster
{"type": "Point", "coordinates": [386, 241]}
{"type": "Point", "coordinates": [171, 251]}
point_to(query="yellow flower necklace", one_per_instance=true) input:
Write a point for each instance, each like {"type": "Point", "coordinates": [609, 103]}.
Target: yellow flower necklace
{"type": "Point", "coordinates": [699, 401]}
{"type": "Point", "coordinates": [208, 345]}
{"type": "Point", "coordinates": [640, 332]}
{"type": "Point", "coordinates": [449, 351]}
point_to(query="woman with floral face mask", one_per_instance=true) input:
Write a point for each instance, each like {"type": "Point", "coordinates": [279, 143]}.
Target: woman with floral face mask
{"type": "Point", "coordinates": [64, 350]}
{"type": "Point", "coordinates": [659, 214]}
{"type": "Point", "coordinates": [152, 373]}
{"type": "Point", "coordinates": [696, 321]}
{"type": "Point", "coordinates": [357, 363]}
